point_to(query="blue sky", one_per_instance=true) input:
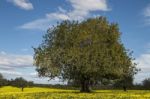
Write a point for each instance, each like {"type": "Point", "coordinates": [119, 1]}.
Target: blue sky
{"type": "Point", "coordinates": [24, 22]}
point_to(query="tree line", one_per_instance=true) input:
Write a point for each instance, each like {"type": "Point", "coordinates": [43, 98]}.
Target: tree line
{"type": "Point", "coordinates": [105, 84]}
{"type": "Point", "coordinates": [17, 82]}
{"type": "Point", "coordinates": [117, 84]}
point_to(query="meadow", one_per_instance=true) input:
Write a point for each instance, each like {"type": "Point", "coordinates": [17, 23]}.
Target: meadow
{"type": "Point", "coordinates": [9, 92]}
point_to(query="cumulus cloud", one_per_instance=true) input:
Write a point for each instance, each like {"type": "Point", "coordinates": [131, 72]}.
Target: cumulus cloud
{"type": "Point", "coordinates": [23, 4]}
{"type": "Point", "coordinates": [11, 65]}
{"type": "Point", "coordinates": [13, 60]}
{"type": "Point", "coordinates": [80, 10]}
{"type": "Point", "coordinates": [144, 64]}
{"type": "Point", "coordinates": [89, 5]}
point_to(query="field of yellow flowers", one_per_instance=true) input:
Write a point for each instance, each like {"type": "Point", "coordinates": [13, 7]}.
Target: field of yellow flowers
{"type": "Point", "coordinates": [48, 93]}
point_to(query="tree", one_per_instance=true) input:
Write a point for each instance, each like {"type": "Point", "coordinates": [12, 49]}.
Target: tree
{"type": "Point", "coordinates": [124, 82]}
{"type": "Point", "coordinates": [20, 82]}
{"type": "Point", "coordinates": [146, 83]}
{"type": "Point", "coordinates": [1, 80]}
{"type": "Point", "coordinates": [1, 76]}
{"type": "Point", "coordinates": [30, 83]}
{"type": "Point", "coordinates": [86, 52]}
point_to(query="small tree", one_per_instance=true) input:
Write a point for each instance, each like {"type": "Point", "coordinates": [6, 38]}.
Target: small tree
{"type": "Point", "coordinates": [85, 52]}
{"type": "Point", "coordinates": [20, 82]}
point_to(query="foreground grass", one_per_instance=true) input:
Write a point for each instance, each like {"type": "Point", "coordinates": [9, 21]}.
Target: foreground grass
{"type": "Point", "coordinates": [47, 93]}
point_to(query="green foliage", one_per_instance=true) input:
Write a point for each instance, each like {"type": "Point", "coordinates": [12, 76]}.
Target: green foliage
{"type": "Point", "coordinates": [146, 83]}
{"type": "Point", "coordinates": [1, 76]}
{"type": "Point", "coordinates": [87, 51]}
{"type": "Point", "coordinates": [124, 82]}
{"type": "Point", "coordinates": [20, 82]}
{"type": "Point", "coordinates": [3, 81]}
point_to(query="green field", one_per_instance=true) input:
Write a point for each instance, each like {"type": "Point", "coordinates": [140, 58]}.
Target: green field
{"type": "Point", "coordinates": [48, 93]}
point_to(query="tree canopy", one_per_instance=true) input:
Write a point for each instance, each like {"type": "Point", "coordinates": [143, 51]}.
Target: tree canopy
{"type": "Point", "coordinates": [20, 82]}
{"type": "Point", "coordinates": [86, 51]}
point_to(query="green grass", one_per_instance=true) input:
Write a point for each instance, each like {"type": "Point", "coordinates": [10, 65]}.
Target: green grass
{"type": "Point", "coordinates": [48, 93]}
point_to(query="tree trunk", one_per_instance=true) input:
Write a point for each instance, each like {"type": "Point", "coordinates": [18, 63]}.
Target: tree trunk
{"type": "Point", "coordinates": [124, 88]}
{"type": "Point", "coordinates": [22, 89]}
{"type": "Point", "coordinates": [85, 86]}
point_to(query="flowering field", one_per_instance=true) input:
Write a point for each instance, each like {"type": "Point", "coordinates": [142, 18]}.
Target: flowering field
{"type": "Point", "coordinates": [46, 93]}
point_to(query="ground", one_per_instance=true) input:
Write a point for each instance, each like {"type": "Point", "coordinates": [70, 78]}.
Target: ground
{"type": "Point", "coordinates": [9, 92]}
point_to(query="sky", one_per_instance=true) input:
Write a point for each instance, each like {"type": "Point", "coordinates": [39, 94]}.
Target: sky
{"type": "Point", "coordinates": [24, 22]}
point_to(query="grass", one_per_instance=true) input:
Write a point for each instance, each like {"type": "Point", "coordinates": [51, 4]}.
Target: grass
{"type": "Point", "coordinates": [9, 92]}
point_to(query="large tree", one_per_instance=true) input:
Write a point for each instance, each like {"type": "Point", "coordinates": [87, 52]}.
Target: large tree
{"type": "Point", "coordinates": [86, 52]}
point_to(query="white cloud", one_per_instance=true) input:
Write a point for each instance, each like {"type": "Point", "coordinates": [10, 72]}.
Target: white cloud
{"type": "Point", "coordinates": [62, 10]}
{"type": "Point", "coordinates": [89, 5]}
{"type": "Point", "coordinates": [12, 60]}
{"type": "Point", "coordinates": [44, 23]}
{"type": "Point", "coordinates": [40, 24]}
{"type": "Point", "coordinates": [11, 72]}
{"type": "Point", "coordinates": [34, 74]}
{"type": "Point", "coordinates": [147, 11]}
{"type": "Point", "coordinates": [143, 64]}
{"type": "Point", "coordinates": [12, 66]}
{"type": "Point", "coordinates": [58, 16]}
{"type": "Point", "coordinates": [23, 4]}
{"type": "Point", "coordinates": [144, 60]}
{"type": "Point", "coordinates": [80, 10]}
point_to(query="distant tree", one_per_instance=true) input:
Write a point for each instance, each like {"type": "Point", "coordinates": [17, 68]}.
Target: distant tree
{"type": "Point", "coordinates": [85, 52]}
{"type": "Point", "coordinates": [124, 82]}
{"type": "Point", "coordinates": [1, 76]}
{"type": "Point", "coordinates": [1, 80]}
{"type": "Point", "coordinates": [20, 82]}
{"type": "Point", "coordinates": [146, 83]}
{"type": "Point", "coordinates": [30, 83]}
